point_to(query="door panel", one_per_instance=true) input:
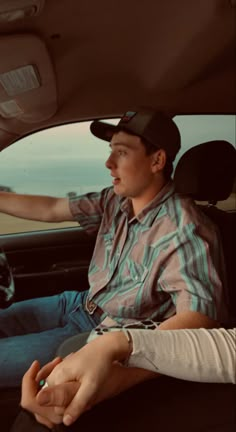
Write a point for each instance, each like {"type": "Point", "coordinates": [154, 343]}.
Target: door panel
{"type": "Point", "coordinates": [48, 262]}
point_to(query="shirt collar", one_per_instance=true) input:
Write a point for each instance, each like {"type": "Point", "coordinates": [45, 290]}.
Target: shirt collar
{"type": "Point", "coordinates": [144, 217]}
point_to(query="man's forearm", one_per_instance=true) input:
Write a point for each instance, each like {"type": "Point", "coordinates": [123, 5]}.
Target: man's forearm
{"type": "Point", "coordinates": [188, 319]}
{"type": "Point", "coordinates": [122, 378]}
{"type": "Point", "coordinates": [116, 347]}
{"type": "Point", "coordinates": [34, 207]}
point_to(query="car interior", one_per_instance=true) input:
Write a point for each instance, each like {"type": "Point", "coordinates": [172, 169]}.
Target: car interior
{"type": "Point", "coordinates": [72, 61]}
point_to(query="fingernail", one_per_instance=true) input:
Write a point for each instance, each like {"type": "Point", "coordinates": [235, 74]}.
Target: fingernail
{"type": "Point", "coordinates": [67, 420]}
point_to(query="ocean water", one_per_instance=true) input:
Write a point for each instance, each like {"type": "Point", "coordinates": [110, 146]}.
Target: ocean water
{"type": "Point", "coordinates": [57, 178]}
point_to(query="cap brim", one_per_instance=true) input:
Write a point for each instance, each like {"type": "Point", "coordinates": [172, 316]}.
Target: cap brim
{"type": "Point", "coordinates": [104, 131]}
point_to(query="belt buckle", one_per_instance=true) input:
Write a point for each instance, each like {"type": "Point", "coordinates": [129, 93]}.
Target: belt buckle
{"type": "Point", "coordinates": [90, 306]}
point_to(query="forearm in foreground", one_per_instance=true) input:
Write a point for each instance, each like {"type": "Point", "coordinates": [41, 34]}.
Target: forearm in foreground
{"type": "Point", "coordinates": [189, 354]}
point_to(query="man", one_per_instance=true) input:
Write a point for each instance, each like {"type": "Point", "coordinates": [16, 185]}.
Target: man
{"type": "Point", "coordinates": [155, 255]}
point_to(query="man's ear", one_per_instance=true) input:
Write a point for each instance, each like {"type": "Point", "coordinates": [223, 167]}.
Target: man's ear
{"type": "Point", "coordinates": [158, 160]}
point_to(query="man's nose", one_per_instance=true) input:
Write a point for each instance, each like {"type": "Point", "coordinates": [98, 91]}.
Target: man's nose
{"type": "Point", "coordinates": [110, 163]}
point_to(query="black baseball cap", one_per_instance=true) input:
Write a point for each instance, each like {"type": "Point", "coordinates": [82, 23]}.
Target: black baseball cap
{"type": "Point", "coordinates": [155, 127]}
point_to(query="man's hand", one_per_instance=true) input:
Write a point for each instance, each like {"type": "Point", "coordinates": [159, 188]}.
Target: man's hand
{"type": "Point", "coordinates": [97, 374]}
{"type": "Point", "coordinates": [73, 405]}
{"type": "Point", "coordinates": [48, 416]}
{"type": "Point", "coordinates": [89, 368]}
{"type": "Point", "coordinates": [80, 381]}
{"type": "Point", "coordinates": [48, 404]}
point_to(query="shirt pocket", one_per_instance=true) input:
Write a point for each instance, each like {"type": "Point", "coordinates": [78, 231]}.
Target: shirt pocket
{"type": "Point", "coordinates": [130, 291]}
{"type": "Point", "coordinates": [138, 272]}
{"type": "Point", "coordinates": [134, 276]}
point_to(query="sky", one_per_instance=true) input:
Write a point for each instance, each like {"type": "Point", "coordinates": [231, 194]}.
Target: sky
{"type": "Point", "coordinates": [68, 158]}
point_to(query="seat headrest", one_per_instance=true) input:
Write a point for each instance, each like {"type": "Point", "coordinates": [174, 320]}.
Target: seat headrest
{"type": "Point", "coordinates": [207, 171]}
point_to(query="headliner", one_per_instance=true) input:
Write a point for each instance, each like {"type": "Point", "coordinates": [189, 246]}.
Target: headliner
{"type": "Point", "coordinates": [98, 59]}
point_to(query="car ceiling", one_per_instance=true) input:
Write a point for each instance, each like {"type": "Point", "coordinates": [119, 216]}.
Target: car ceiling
{"type": "Point", "coordinates": [96, 59]}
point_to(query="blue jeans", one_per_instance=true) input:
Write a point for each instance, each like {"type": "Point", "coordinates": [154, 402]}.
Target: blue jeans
{"type": "Point", "coordinates": [34, 329]}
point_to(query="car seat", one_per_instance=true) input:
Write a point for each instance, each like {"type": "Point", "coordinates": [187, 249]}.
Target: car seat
{"type": "Point", "coordinates": [207, 172]}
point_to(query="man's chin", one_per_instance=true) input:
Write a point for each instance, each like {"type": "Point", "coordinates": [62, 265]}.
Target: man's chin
{"type": "Point", "coordinates": [118, 191]}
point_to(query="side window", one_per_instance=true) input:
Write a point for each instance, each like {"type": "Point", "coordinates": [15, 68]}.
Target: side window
{"type": "Point", "coordinates": [60, 161]}
{"type": "Point", "coordinates": [69, 160]}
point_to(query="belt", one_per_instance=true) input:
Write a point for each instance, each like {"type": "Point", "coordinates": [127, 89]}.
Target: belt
{"type": "Point", "coordinates": [91, 307]}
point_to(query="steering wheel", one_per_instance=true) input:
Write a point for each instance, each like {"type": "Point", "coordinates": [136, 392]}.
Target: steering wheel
{"type": "Point", "coordinates": [7, 288]}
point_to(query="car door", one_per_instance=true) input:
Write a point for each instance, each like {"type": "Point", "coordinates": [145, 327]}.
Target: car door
{"type": "Point", "coordinates": [47, 262]}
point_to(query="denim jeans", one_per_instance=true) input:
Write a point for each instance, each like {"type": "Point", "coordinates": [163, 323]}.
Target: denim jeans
{"type": "Point", "coordinates": [33, 330]}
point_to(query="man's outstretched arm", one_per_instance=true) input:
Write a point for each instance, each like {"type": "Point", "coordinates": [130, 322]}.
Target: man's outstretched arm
{"type": "Point", "coordinates": [35, 207]}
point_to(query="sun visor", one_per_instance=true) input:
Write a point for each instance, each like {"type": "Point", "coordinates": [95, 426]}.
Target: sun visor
{"type": "Point", "coordinates": [27, 79]}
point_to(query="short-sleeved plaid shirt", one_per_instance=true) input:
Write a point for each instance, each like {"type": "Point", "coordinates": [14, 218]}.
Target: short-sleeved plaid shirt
{"type": "Point", "coordinates": [165, 260]}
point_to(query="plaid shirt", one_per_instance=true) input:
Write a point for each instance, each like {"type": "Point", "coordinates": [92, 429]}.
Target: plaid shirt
{"type": "Point", "coordinates": [164, 261]}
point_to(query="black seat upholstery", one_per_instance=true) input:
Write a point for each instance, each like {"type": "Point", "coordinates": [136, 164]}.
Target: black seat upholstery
{"type": "Point", "coordinates": [207, 173]}
{"type": "Point", "coordinates": [226, 223]}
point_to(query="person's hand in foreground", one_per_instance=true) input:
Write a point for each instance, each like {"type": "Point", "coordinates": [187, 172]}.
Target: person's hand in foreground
{"type": "Point", "coordinates": [48, 416]}
{"type": "Point", "coordinates": [96, 375]}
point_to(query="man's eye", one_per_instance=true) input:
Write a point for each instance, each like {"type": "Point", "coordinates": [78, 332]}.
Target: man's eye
{"type": "Point", "coordinates": [122, 153]}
